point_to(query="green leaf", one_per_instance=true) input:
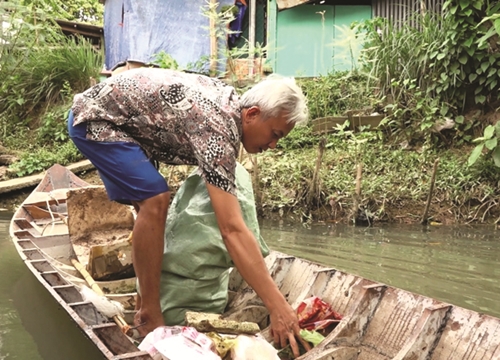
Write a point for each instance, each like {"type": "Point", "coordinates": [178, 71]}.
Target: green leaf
{"type": "Point", "coordinates": [475, 154]}
{"type": "Point", "coordinates": [441, 56]}
{"type": "Point", "coordinates": [459, 119]}
{"type": "Point", "coordinates": [480, 99]}
{"type": "Point", "coordinates": [496, 156]}
{"type": "Point", "coordinates": [497, 26]}
{"type": "Point", "coordinates": [469, 41]}
{"type": "Point", "coordinates": [489, 131]}
{"type": "Point", "coordinates": [463, 59]}
{"type": "Point", "coordinates": [473, 77]}
{"type": "Point", "coordinates": [484, 66]}
{"type": "Point", "coordinates": [313, 337]}
{"type": "Point", "coordinates": [491, 143]}
{"type": "Point", "coordinates": [477, 5]}
{"type": "Point", "coordinates": [464, 4]}
{"type": "Point", "coordinates": [470, 51]}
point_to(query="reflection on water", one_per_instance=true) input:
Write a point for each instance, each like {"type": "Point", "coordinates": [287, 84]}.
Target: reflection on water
{"type": "Point", "coordinates": [460, 265]}
{"type": "Point", "coordinates": [32, 325]}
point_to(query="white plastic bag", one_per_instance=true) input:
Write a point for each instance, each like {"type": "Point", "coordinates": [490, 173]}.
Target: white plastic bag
{"type": "Point", "coordinates": [253, 348]}
{"type": "Point", "coordinates": [179, 348]}
{"type": "Point", "coordinates": [178, 343]}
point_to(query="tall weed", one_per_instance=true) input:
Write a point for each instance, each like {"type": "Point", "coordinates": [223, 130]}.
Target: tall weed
{"type": "Point", "coordinates": [39, 62]}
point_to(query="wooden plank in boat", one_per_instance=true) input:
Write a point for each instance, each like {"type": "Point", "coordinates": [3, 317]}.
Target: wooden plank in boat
{"type": "Point", "coordinates": [468, 335]}
{"type": "Point", "coordinates": [53, 278]}
{"type": "Point", "coordinates": [23, 224]}
{"type": "Point", "coordinates": [39, 213]}
{"type": "Point", "coordinates": [43, 198]}
{"type": "Point", "coordinates": [112, 336]}
{"type": "Point", "coordinates": [90, 315]}
{"type": "Point", "coordinates": [42, 265]}
{"type": "Point", "coordinates": [138, 355]}
{"type": "Point", "coordinates": [68, 293]}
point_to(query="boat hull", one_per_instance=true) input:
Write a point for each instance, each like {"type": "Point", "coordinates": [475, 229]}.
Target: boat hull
{"type": "Point", "coordinates": [379, 322]}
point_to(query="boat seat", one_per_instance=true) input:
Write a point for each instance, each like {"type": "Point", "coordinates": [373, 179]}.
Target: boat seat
{"type": "Point", "coordinates": [38, 213]}
{"type": "Point", "coordinates": [43, 198]}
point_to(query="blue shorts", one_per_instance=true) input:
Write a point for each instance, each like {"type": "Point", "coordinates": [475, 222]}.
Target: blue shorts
{"type": "Point", "coordinates": [124, 168]}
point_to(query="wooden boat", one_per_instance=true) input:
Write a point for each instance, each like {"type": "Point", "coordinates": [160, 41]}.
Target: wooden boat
{"type": "Point", "coordinates": [379, 322]}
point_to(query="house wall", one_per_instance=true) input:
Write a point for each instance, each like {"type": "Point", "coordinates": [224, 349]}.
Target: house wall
{"type": "Point", "coordinates": [312, 40]}
{"type": "Point", "coordinates": [401, 10]}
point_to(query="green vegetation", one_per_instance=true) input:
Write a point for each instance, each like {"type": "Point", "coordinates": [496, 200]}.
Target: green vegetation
{"type": "Point", "coordinates": [40, 70]}
{"type": "Point", "coordinates": [434, 78]}
{"type": "Point", "coordinates": [395, 181]}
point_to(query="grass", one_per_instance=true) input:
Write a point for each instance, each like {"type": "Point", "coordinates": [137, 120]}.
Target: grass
{"type": "Point", "coordinates": [392, 177]}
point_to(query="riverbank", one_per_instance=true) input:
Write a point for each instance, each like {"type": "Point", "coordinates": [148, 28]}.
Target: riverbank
{"type": "Point", "coordinates": [313, 185]}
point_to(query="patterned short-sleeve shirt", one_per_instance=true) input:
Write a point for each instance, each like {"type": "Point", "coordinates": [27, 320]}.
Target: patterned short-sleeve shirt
{"type": "Point", "coordinates": [177, 118]}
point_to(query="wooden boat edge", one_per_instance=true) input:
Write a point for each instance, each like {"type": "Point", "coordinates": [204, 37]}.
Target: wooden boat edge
{"type": "Point", "coordinates": [435, 314]}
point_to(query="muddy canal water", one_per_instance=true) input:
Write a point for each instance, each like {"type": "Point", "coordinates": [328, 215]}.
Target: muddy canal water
{"type": "Point", "coordinates": [460, 265]}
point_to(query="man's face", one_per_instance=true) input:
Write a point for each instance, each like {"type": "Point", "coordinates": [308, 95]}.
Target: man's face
{"type": "Point", "coordinates": [259, 134]}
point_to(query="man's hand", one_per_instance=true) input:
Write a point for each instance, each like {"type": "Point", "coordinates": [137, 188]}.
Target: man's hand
{"type": "Point", "coordinates": [245, 253]}
{"type": "Point", "coordinates": [285, 329]}
{"type": "Point", "coordinates": [146, 322]}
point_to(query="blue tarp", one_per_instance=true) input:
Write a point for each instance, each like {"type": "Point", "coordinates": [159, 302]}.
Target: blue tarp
{"type": "Point", "coordinates": [137, 30]}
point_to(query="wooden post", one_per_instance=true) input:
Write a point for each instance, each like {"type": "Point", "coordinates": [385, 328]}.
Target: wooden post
{"type": "Point", "coordinates": [213, 37]}
{"type": "Point", "coordinates": [357, 195]}
{"type": "Point", "coordinates": [431, 190]}
{"type": "Point", "coordinates": [314, 188]}
{"type": "Point", "coordinates": [251, 39]}
{"type": "Point", "coordinates": [255, 176]}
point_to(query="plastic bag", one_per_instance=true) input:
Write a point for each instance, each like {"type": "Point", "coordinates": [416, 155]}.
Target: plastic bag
{"type": "Point", "coordinates": [195, 270]}
{"type": "Point", "coordinates": [315, 314]}
{"type": "Point", "coordinates": [178, 343]}
{"type": "Point", "coordinates": [253, 348]}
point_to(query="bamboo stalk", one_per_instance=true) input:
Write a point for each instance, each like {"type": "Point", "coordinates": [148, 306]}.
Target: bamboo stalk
{"type": "Point", "coordinates": [125, 328]}
{"type": "Point", "coordinates": [431, 190]}
{"type": "Point", "coordinates": [213, 37]}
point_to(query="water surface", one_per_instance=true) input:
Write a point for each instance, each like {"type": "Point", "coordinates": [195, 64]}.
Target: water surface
{"type": "Point", "coordinates": [460, 265]}
{"type": "Point", "coordinates": [32, 324]}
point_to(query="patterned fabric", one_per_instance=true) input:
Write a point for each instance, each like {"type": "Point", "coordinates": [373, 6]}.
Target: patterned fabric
{"type": "Point", "coordinates": [177, 118]}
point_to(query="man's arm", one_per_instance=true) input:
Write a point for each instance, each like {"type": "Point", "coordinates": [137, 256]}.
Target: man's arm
{"type": "Point", "coordinates": [245, 253]}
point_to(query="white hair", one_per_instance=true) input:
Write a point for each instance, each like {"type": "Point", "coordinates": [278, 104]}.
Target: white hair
{"type": "Point", "coordinates": [276, 94]}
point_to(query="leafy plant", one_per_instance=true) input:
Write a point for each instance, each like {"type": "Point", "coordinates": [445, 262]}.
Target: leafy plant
{"type": "Point", "coordinates": [443, 63]}
{"type": "Point", "coordinates": [39, 159]}
{"type": "Point", "coordinates": [489, 141]}
{"type": "Point", "coordinates": [336, 93]}
{"type": "Point", "coordinates": [166, 61]}
{"type": "Point", "coordinates": [40, 61]}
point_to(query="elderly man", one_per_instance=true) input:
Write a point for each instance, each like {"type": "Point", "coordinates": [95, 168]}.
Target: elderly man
{"type": "Point", "coordinates": [147, 114]}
